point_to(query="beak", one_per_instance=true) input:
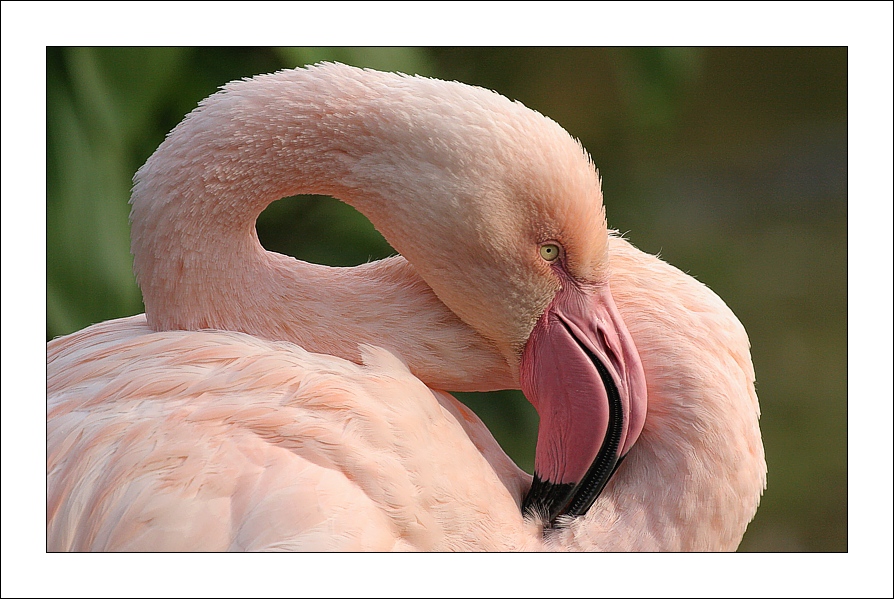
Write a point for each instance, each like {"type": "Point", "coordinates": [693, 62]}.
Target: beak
{"type": "Point", "coordinates": [580, 369]}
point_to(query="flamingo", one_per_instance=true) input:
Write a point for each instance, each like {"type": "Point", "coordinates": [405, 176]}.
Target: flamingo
{"type": "Point", "coordinates": [264, 403]}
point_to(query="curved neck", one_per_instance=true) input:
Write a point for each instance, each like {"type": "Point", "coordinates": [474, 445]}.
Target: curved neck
{"type": "Point", "coordinates": [199, 262]}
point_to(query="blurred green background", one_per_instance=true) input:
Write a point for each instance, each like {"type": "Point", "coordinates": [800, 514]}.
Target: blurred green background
{"type": "Point", "coordinates": [729, 162]}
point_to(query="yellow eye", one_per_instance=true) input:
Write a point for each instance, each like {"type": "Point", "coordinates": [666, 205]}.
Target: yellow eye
{"type": "Point", "coordinates": [549, 252]}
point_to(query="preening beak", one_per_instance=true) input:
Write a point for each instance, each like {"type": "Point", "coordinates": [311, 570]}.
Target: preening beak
{"type": "Point", "coordinates": [581, 371]}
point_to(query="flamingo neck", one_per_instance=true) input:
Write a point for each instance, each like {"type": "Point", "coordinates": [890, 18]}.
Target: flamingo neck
{"type": "Point", "coordinates": [200, 265]}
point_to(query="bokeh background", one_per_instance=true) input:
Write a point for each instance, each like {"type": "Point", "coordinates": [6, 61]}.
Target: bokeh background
{"type": "Point", "coordinates": [729, 162]}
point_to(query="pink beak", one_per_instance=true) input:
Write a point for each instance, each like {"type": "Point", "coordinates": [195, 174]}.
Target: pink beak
{"type": "Point", "coordinates": [581, 371]}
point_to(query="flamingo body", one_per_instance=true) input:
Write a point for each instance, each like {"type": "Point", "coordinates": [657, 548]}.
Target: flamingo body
{"type": "Point", "coordinates": [219, 440]}
{"type": "Point", "coordinates": [263, 403]}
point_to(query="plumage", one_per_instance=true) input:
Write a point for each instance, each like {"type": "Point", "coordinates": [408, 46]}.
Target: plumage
{"type": "Point", "coordinates": [263, 403]}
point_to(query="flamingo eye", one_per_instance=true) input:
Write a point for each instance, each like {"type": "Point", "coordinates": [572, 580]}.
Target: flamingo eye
{"type": "Point", "coordinates": [549, 252]}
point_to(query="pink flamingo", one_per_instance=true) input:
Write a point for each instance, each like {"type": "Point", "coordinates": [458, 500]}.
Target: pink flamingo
{"type": "Point", "coordinates": [265, 403]}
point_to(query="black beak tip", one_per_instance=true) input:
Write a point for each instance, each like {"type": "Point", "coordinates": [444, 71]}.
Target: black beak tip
{"type": "Point", "coordinates": [547, 500]}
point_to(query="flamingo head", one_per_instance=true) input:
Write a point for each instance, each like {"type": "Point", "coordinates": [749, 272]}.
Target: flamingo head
{"type": "Point", "coordinates": [503, 218]}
